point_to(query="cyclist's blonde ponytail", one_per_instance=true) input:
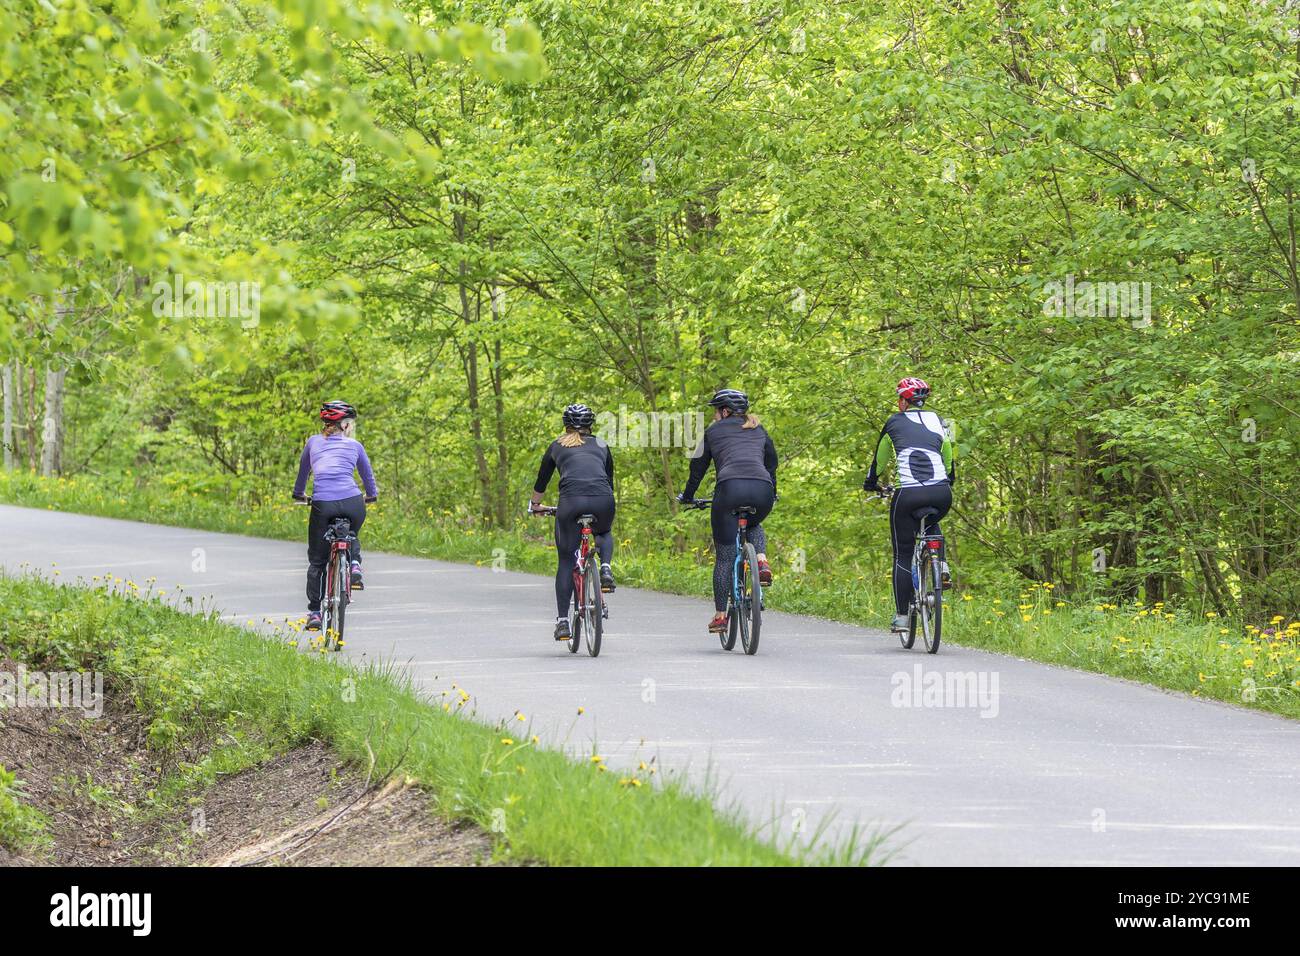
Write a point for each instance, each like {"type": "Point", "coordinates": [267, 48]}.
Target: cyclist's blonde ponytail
{"type": "Point", "coordinates": [347, 427]}
{"type": "Point", "coordinates": [573, 437]}
{"type": "Point", "coordinates": [751, 420]}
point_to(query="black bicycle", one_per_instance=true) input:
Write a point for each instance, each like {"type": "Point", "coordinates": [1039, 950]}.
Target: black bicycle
{"type": "Point", "coordinates": [926, 609]}
{"type": "Point", "coordinates": [745, 604]}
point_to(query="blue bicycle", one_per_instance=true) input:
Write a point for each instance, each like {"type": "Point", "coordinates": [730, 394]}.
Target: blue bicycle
{"type": "Point", "coordinates": [745, 605]}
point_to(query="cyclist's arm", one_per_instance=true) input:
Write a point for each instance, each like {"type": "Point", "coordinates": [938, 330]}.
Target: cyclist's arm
{"type": "Point", "coordinates": [770, 459]}
{"type": "Point", "coordinates": [304, 469]}
{"type": "Point", "coordinates": [949, 453]}
{"type": "Point", "coordinates": [367, 473]}
{"type": "Point", "coordinates": [700, 462]}
{"type": "Point", "coordinates": [882, 459]}
{"type": "Point", "coordinates": [544, 473]}
{"type": "Point", "coordinates": [609, 465]}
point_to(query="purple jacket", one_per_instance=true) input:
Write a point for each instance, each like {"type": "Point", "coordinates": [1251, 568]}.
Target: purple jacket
{"type": "Point", "coordinates": [332, 460]}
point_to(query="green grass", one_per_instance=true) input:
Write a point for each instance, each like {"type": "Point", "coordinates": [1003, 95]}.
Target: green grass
{"type": "Point", "coordinates": [22, 827]}
{"type": "Point", "coordinates": [1255, 664]}
{"type": "Point", "coordinates": [192, 675]}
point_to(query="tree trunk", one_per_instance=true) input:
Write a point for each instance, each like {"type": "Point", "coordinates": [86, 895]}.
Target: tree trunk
{"type": "Point", "coordinates": [9, 416]}
{"type": "Point", "coordinates": [502, 488]}
{"type": "Point", "coordinates": [52, 423]}
{"type": "Point", "coordinates": [470, 355]}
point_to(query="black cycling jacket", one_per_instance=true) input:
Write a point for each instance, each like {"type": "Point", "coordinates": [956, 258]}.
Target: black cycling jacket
{"type": "Point", "coordinates": [738, 451]}
{"type": "Point", "coordinates": [586, 469]}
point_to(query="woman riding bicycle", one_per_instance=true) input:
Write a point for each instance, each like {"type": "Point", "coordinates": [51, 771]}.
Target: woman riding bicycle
{"type": "Point", "coordinates": [331, 457]}
{"type": "Point", "coordinates": [586, 469]}
{"type": "Point", "coordinates": [917, 443]}
{"type": "Point", "coordinates": [746, 475]}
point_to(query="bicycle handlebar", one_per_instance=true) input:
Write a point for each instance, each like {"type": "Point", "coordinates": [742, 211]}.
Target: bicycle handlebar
{"type": "Point", "coordinates": [543, 510]}
{"type": "Point", "coordinates": [698, 503]}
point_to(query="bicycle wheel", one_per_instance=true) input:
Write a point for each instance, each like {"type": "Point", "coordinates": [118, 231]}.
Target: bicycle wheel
{"type": "Point", "coordinates": [575, 616]}
{"type": "Point", "coordinates": [930, 600]}
{"type": "Point", "coordinates": [337, 607]}
{"type": "Point", "coordinates": [751, 593]}
{"type": "Point", "coordinates": [908, 638]}
{"type": "Point", "coordinates": [727, 636]}
{"type": "Point", "coordinates": [595, 610]}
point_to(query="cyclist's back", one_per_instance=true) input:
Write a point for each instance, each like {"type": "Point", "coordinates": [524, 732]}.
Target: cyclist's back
{"type": "Point", "coordinates": [331, 461]}
{"type": "Point", "coordinates": [917, 441]}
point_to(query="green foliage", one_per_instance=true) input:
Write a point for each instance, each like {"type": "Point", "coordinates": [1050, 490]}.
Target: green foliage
{"type": "Point", "coordinates": [121, 122]}
{"type": "Point", "coordinates": [808, 201]}
{"type": "Point", "coordinates": [21, 826]}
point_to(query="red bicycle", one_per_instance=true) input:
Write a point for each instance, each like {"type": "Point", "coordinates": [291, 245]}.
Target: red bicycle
{"type": "Point", "coordinates": [588, 614]}
{"type": "Point", "coordinates": [337, 583]}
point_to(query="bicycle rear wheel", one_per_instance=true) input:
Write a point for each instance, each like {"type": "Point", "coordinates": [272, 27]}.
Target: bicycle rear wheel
{"type": "Point", "coordinates": [336, 609]}
{"type": "Point", "coordinates": [594, 610]}
{"type": "Point", "coordinates": [751, 601]}
{"type": "Point", "coordinates": [930, 600]}
{"type": "Point", "coordinates": [576, 616]}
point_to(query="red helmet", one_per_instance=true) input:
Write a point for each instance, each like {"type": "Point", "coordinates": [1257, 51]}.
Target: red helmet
{"type": "Point", "coordinates": [336, 411]}
{"type": "Point", "coordinates": [914, 391]}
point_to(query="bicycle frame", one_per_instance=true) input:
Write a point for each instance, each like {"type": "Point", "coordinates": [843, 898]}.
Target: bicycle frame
{"type": "Point", "coordinates": [926, 607]}
{"type": "Point", "coordinates": [586, 615]}
{"type": "Point", "coordinates": [339, 536]}
{"type": "Point", "coordinates": [743, 616]}
{"type": "Point", "coordinates": [737, 574]}
{"type": "Point", "coordinates": [924, 540]}
{"type": "Point", "coordinates": [580, 567]}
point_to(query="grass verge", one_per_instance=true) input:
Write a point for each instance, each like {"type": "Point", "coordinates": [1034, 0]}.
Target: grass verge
{"type": "Point", "coordinates": [22, 827]}
{"type": "Point", "coordinates": [1254, 664]}
{"type": "Point", "coordinates": [189, 674]}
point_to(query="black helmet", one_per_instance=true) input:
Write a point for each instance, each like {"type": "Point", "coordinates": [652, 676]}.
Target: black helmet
{"type": "Point", "coordinates": [336, 411]}
{"type": "Point", "coordinates": [578, 416]}
{"type": "Point", "coordinates": [730, 398]}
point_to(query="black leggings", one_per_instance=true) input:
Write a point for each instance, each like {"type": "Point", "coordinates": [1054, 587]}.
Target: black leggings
{"type": "Point", "coordinates": [568, 536]}
{"type": "Point", "coordinates": [727, 497]}
{"type": "Point", "coordinates": [903, 529]}
{"type": "Point", "coordinates": [318, 549]}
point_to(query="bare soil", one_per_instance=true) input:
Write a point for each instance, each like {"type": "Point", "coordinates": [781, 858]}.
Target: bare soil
{"type": "Point", "coordinates": [92, 779]}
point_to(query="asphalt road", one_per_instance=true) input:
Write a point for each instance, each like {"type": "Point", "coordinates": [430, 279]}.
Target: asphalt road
{"type": "Point", "coordinates": [1047, 766]}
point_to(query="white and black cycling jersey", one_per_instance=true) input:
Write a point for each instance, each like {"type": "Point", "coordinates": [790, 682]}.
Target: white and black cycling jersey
{"type": "Point", "coordinates": [918, 442]}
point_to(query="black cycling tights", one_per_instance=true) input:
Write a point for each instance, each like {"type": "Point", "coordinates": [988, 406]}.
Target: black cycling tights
{"type": "Point", "coordinates": [903, 528]}
{"type": "Point", "coordinates": [318, 549]}
{"type": "Point", "coordinates": [568, 536]}
{"type": "Point", "coordinates": [727, 496]}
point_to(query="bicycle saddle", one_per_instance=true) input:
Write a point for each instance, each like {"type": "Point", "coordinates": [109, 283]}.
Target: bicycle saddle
{"type": "Point", "coordinates": [586, 519]}
{"type": "Point", "coordinates": [745, 510]}
{"type": "Point", "coordinates": [339, 528]}
{"type": "Point", "coordinates": [920, 513]}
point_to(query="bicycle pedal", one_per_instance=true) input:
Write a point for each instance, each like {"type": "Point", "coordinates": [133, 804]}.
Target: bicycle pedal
{"type": "Point", "coordinates": [604, 611]}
